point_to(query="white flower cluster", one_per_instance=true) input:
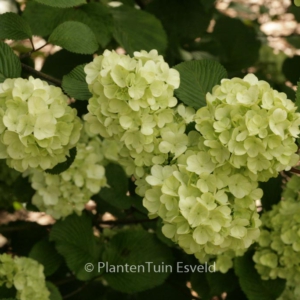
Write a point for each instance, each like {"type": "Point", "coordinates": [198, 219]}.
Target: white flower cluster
{"type": "Point", "coordinates": [203, 186]}
{"type": "Point", "coordinates": [279, 243]}
{"type": "Point", "coordinates": [37, 126]}
{"type": "Point", "coordinates": [25, 275]}
{"type": "Point", "coordinates": [132, 102]}
{"type": "Point", "coordinates": [251, 125]}
{"type": "Point", "coordinates": [208, 209]}
{"type": "Point", "coordinates": [61, 195]}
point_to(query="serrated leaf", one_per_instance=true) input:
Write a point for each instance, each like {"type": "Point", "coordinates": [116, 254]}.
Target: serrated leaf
{"type": "Point", "coordinates": [196, 79]}
{"type": "Point", "coordinates": [10, 66]}
{"type": "Point", "coordinates": [98, 17]}
{"type": "Point", "coordinates": [136, 247]}
{"type": "Point", "coordinates": [75, 241]}
{"type": "Point", "coordinates": [272, 192]}
{"type": "Point", "coordinates": [252, 284]}
{"type": "Point", "coordinates": [75, 85]}
{"type": "Point", "coordinates": [54, 292]}
{"type": "Point", "coordinates": [41, 18]}
{"type": "Point", "coordinates": [115, 194]}
{"type": "Point", "coordinates": [75, 37]}
{"type": "Point", "coordinates": [61, 167]}
{"type": "Point", "coordinates": [44, 19]}
{"type": "Point", "coordinates": [61, 3]}
{"type": "Point", "coordinates": [14, 27]}
{"type": "Point", "coordinates": [45, 253]}
{"type": "Point", "coordinates": [137, 30]}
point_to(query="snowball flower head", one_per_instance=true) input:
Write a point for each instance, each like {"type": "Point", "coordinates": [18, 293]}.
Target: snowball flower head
{"type": "Point", "coordinates": [25, 275]}
{"type": "Point", "coordinates": [277, 255]}
{"type": "Point", "coordinates": [253, 125]}
{"type": "Point", "coordinates": [61, 195]}
{"type": "Point", "coordinates": [37, 126]}
{"type": "Point", "coordinates": [133, 100]}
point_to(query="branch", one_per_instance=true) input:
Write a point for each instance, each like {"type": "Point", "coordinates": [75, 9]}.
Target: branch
{"type": "Point", "coordinates": [295, 171]}
{"type": "Point", "coordinates": [28, 54]}
{"type": "Point", "coordinates": [41, 75]}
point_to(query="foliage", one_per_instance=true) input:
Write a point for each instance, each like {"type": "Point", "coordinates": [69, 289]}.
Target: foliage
{"type": "Point", "coordinates": [147, 110]}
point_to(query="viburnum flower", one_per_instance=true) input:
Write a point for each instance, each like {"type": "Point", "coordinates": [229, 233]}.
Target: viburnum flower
{"type": "Point", "coordinates": [37, 127]}
{"type": "Point", "coordinates": [61, 195]}
{"type": "Point", "coordinates": [251, 125]}
{"type": "Point", "coordinates": [277, 255]}
{"type": "Point", "coordinates": [25, 275]}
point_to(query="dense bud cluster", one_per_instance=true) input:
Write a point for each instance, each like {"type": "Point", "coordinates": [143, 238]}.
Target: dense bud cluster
{"type": "Point", "coordinates": [61, 195]}
{"type": "Point", "coordinates": [37, 126]}
{"type": "Point", "coordinates": [251, 125]}
{"type": "Point", "coordinates": [203, 184]}
{"type": "Point", "coordinates": [25, 275]}
{"type": "Point", "coordinates": [279, 244]}
{"type": "Point", "coordinates": [132, 102]}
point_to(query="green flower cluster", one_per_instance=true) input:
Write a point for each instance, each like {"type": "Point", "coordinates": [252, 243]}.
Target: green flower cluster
{"type": "Point", "coordinates": [202, 184]}
{"type": "Point", "coordinates": [132, 102]}
{"type": "Point", "coordinates": [279, 243]}
{"type": "Point", "coordinates": [250, 125]}
{"type": "Point", "coordinates": [61, 195]}
{"type": "Point", "coordinates": [208, 209]}
{"type": "Point", "coordinates": [25, 275]}
{"type": "Point", "coordinates": [37, 126]}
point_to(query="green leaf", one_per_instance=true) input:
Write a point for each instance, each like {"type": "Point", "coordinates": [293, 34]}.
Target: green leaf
{"type": "Point", "coordinates": [137, 30]}
{"type": "Point", "coordinates": [136, 248]}
{"type": "Point", "coordinates": [22, 189]}
{"type": "Point", "coordinates": [118, 182]}
{"type": "Point", "coordinates": [272, 192]}
{"type": "Point", "coordinates": [238, 43]}
{"type": "Point", "coordinates": [252, 284]}
{"type": "Point", "coordinates": [187, 21]}
{"type": "Point", "coordinates": [54, 292]}
{"type": "Point", "coordinates": [74, 84]}
{"type": "Point", "coordinates": [75, 37]}
{"type": "Point", "coordinates": [14, 27]}
{"type": "Point", "coordinates": [41, 18]}
{"type": "Point", "coordinates": [196, 79]}
{"type": "Point", "coordinates": [291, 70]}
{"type": "Point", "coordinates": [75, 241]}
{"type": "Point", "coordinates": [98, 17]}
{"type": "Point", "coordinates": [10, 66]}
{"type": "Point", "coordinates": [61, 3]}
{"type": "Point", "coordinates": [61, 167]}
{"type": "Point", "coordinates": [45, 253]}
